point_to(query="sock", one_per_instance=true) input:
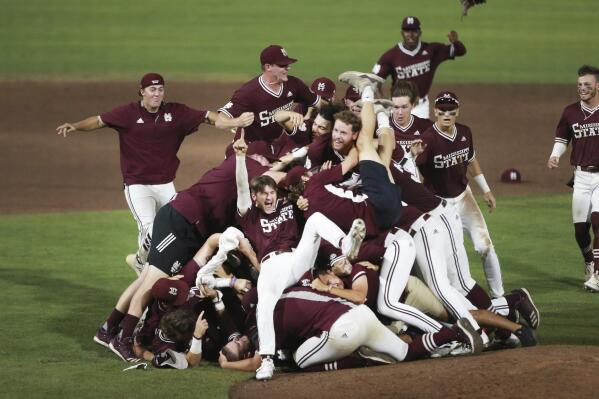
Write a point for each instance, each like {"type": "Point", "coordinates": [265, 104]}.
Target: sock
{"type": "Point", "coordinates": [595, 224]}
{"type": "Point", "coordinates": [368, 94]}
{"type": "Point", "coordinates": [382, 120]}
{"type": "Point", "coordinates": [479, 297]}
{"type": "Point", "coordinates": [350, 362]}
{"type": "Point", "coordinates": [112, 323]}
{"type": "Point", "coordinates": [583, 239]}
{"type": "Point", "coordinates": [426, 343]}
{"type": "Point", "coordinates": [129, 323]}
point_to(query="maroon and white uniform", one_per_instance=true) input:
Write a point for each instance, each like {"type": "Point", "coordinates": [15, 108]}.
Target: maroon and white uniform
{"type": "Point", "coordinates": [397, 246]}
{"type": "Point", "coordinates": [149, 143]}
{"type": "Point", "coordinates": [290, 141]}
{"type": "Point", "coordinates": [418, 65]}
{"type": "Point", "coordinates": [579, 125]}
{"type": "Point", "coordinates": [444, 165]}
{"type": "Point", "coordinates": [372, 276]}
{"type": "Point", "coordinates": [403, 141]}
{"type": "Point", "coordinates": [256, 96]}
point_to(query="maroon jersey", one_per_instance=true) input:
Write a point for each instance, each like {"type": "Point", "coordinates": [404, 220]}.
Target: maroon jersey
{"type": "Point", "coordinates": [302, 313]}
{"type": "Point", "coordinates": [413, 192]}
{"type": "Point", "coordinates": [149, 141]}
{"type": "Point", "coordinates": [580, 125]}
{"type": "Point", "coordinates": [210, 203]}
{"type": "Point", "coordinates": [405, 135]}
{"type": "Point", "coordinates": [418, 65]}
{"type": "Point", "coordinates": [270, 232]}
{"type": "Point", "coordinates": [320, 151]}
{"type": "Point", "coordinates": [287, 142]}
{"type": "Point", "coordinates": [256, 96]}
{"type": "Point", "coordinates": [371, 276]}
{"type": "Point", "coordinates": [339, 204]}
{"type": "Point", "coordinates": [445, 160]}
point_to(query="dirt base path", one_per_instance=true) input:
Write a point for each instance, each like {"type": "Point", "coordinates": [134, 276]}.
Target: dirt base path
{"type": "Point", "coordinates": [513, 127]}
{"type": "Point", "coordinates": [540, 372]}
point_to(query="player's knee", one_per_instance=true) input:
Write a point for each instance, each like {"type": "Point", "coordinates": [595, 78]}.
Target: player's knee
{"type": "Point", "coordinates": [483, 246]}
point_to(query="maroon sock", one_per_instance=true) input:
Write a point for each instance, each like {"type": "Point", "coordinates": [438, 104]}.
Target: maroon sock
{"type": "Point", "coordinates": [479, 297]}
{"type": "Point", "coordinates": [350, 362]}
{"type": "Point", "coordinates": [502, 334]}
{"type": "Point", "coordinates": [595, 224]}
{"type": "Point", "coordinates": [426, 343]}
{"type": "Point", "coordinates": [129, 323]}
{"type": "Point", "coordinates": [112, 323]}
{"type": "Point", "coordinates": [583, 239]}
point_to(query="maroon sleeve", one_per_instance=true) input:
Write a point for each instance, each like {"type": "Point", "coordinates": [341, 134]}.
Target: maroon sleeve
{"type": "Point", "coordinates": [385, 66]}
{"type": "Point", "coordinates": [189, 272]}
{"type": "Point", "coordinates": [192, 118]}
{"type": "Point", "coordinates": [563, 133]}
{"type": "Point", "coordinates": [332, 175]}
{"type": "Point", "coordinates": [117, 118]}
{"type": "Point", "coordinates": [471, 150]}
{"type": "Point", "coordinates": [442, 52]}
{"type": "Point", "coordinates": [303, 93]}
{"type": "Point", "coordinates": [316, 149]}
{"type": "Point", "coordinates": [237, 106]}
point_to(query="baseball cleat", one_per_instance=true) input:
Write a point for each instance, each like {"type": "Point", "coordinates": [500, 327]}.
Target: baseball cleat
{"type": "Point", "coordinates": [123, 349]}
{"type": "Point", "coordinates": [526, 337]}
{"type": "Point", "coordinates": [266, 369]}
{"type": "Point", "coordinates": [380, 105]}
{"type": "Point", "coordinates": [447, 349]}
{"type": "Point", "coordinates": [527, 309]}
{"type": "Point", "coordinates": [589, 268]}
{"type": "Point", "coordinates": [468, 335]}
{"type": "Point", "coordinates": [360, 80]}
{"type": "Point", "coordinates": [592, 284]}
{"type": "Point", "coordinates": [377, 357]}
{"type": "Point", "coordinates": [103, 337]}
{"type": "Point", "coordinates": [134, 263]}
{"type": "Point", "coordinates": [350, 245]}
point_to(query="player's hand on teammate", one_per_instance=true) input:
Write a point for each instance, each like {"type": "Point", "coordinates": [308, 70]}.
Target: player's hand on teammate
{"type": "Point", "coordinates": [245, 119]}
{"type": "Point", "coordinates": [65, 128]}
{"type": "Point", "coordinates": [490, 200]}
{"type": "Point", "coordinates": [246, 249]}
{"type": "Point", "coordinates": [326, 166]}
{"type": "Point", "coordinates": [240, 146]}
{"type": "Point", "coordinates": [201, 326]}
{"type": "Point", "coordinates": [369, 265]}
{"type": "Point", "coordinates": [295, 119]}
{"type": "Point", "coordinates": [242, 285]}
{"type": "Point", "coordinates": [553, 162]}
{"type": "Point", "coordinates": [319, 285]}
{"type": "Point", "coordinates": [417, 147]}
{"type": "Point", "coordinates": [302, 203]}
{"type": "Point", "coordinates": [452, 36]}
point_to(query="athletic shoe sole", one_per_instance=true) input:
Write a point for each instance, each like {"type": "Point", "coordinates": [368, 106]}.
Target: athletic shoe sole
{"type": "Point", "coordinates": [353, 77]}
{"type": "Point", "coordinates": [100, 342]}
{"type": "Point", "coordinates": [356, 234]}
{"type": "Point", "coordinates": [474, 338]}
{"type": "Point", "coordinates": [534, 325]}
{"type": "Point", "coordinates": [116, 352]}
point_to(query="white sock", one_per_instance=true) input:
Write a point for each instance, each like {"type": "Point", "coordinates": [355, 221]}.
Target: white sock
{"type": "Point", "coordinates": [368, 94]}
{"type": "Point", "coordinates": [383, 120]}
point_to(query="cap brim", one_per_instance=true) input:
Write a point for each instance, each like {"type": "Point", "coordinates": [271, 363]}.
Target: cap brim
{"type": "Point", "coordinates": [288, 61]}
{"type": "Point", "coordinates": [446, 107]}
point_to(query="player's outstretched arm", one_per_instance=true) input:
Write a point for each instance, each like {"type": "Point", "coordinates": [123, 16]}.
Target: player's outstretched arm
{"type": "Point", "coordinates": [222, 121]}
{"type": "Point", "coordinates": [85, 125]}
{"type": "Point", "coordinates": [194, 355]}
{"type": "Point", "coordinates": [289, 120]}
{"type": "Point", "coordinates": [244, 199]}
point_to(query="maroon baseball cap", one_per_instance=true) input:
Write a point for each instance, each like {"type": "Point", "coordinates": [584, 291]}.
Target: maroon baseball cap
{"type": "Point", "coordinates": [324, 87]}
{"type": "Point", "coordinates": [170, 291]}
{"type": "Point", "coordinates": [275, 54]}
{"type": "Point", "coordinates": [150, 79]}
{"type": "Point", "coordinates": [511, 176]}
{"type": "Point", "coordinates": [410, 23]}
{"type": "Point", "coordinates": [446, 100]}
{"type": "Point", "coordinates": [352, 94]}
{"type": "Point", "coordinates": [293, 177]}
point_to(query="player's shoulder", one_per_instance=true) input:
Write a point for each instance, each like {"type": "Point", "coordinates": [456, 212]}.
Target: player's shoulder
{"type": "Point", "coordinates": [391, 52]}
{"type": "Point", "coordinates": [295, 81]}
{"type": "Point", "coordinates": [248, 87]}
{"type": "Point", "coordinates": [463, 129]}
{"type": "Point", "coordinates": [422, 123]}
{"type": "Point", "coordinates": [574, 107]}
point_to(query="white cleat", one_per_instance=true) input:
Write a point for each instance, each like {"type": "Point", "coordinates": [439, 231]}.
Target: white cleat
{"type": "Point", "coordinates": [380, 105]}
{"type": "Point", "coordinates": [592, 284]}
{"type": "Point", "coordinates": [469, 336]}
{"type": "Point", "coordinates": [360, 80]}
{"type": "Point", "coordinates": [133, 262]}
{"type": "Point", "coordinates": [266, 369]}
{"type": "Point", "coordinates": [350, 245]}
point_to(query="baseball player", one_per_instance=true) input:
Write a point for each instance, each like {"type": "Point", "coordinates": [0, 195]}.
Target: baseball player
{"type": "Point", "coordinates": [261, 97]}
{"type": "Point", "coordinates": [417, 61]}
{"type": "Point", "coordinates": [270, 225]}
{"type": "Point", "coordinates": [325, 88]}
{"type": "Point", "coordinates": [579, 124]}
{"type": "Point", "coordinates": [445, 164]}
{"type": "Point", "coordinates": [150, 134]}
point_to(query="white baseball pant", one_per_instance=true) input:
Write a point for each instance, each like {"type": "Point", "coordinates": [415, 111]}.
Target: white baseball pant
{"type": "Point", "coordinates": [585, 198]}
{"type": "Point", "coordinates": [395, 271]}
{"type": "Point", "coordinates": [358, 327]}
{"type": "Point", "coordinates": [431, 247]}
{"type": "Point", "coordinates": [474, 224]}
{"type": "Point", "coordinates": [144, 200]}
{"type": "Point", "coordinates": [280, 271]}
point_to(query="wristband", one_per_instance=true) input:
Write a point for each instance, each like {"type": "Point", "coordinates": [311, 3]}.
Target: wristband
{"type": "Point", "coordinates": [382, 120]}
{"type": "Point", "coordinates": [302, 152]}
{"type": "Point", "coordinates": [196, 346]}
{"type": "Point", "coordinates": [558, 149]}
{"type": "Point", "coordinates": [232, 282]}
{"type": "Point", "coordinates": [482, 183]}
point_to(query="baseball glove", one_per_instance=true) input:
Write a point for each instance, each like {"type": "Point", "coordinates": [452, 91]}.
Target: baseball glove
{"type": "Point", "coordinates": [467, 4]}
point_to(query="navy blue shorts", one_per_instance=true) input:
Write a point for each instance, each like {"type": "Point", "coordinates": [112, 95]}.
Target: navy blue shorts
{"type": "Point", "coordinates": [383, 195]}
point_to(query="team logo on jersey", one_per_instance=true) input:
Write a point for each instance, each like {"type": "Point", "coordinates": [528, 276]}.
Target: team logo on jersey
{"type": "Point", "coordinates": [173, 291]}
{"type": "Point", "coordinates": [140, 121]}
{"type": "Point", "coordinates": [176, 267]}
{"type": "Point", "coordinates": [168, 117]}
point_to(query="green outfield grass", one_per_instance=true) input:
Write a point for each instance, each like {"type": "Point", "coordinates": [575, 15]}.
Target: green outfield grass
{"type": "Point", "coordinates": [508, 41]}
{"type": "Point", "coordinates": [60, 275]}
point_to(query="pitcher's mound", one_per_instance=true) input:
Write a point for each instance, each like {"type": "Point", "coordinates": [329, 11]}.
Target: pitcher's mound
{"type": "Point", "coordinates": [539, 372]}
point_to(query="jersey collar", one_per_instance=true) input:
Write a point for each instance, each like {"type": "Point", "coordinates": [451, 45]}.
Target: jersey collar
{"type": "Point", "coordinates": [586, 108]}
{"type": "Point", "coordinates": [410, 52]}
{"type": "Point", "coordinates": [445, 135]}
{"type": "Point", "coordinates": [403, 129]}
{"type": "Point", "coordinates": [266, 87]}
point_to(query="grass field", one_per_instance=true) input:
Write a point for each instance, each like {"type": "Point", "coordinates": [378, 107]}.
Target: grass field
{"type": "Point", "coordinates": [62, 273]}
{"type": "Point", "coordinates": [508, 41]}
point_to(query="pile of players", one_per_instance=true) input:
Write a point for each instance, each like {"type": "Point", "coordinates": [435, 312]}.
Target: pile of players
{"type": "Point", "coordinates": [314, 242]}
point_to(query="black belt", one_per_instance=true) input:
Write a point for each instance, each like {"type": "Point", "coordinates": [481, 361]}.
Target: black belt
{"type": "Point", "coordinates": [271, 254]}
{"type": "Point", "coordinates": [425, 217]}
{"type": "Point", "coordinates": [590, 169]}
